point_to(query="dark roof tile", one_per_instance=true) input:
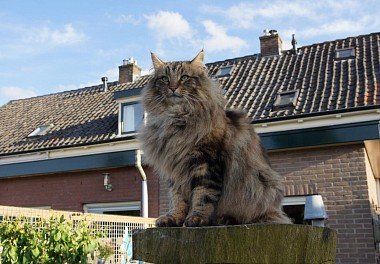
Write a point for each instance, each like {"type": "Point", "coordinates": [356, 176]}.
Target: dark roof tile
{"type": "Point", "coordinates": [324, 83]}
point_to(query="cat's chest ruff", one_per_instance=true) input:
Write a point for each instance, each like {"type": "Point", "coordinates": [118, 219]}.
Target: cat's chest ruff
{"type": "Point", "coordinates": [174, 129]}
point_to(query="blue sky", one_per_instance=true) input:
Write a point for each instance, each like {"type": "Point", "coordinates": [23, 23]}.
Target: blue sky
{"type": "Point", "coordinates": [52, 46]}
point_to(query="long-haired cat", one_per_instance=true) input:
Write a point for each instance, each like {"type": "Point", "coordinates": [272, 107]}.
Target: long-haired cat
{"type": "Point", "coordinates": [213, 161]}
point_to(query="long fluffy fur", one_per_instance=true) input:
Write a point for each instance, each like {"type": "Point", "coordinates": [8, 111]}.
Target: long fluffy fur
{"type": "Point", "coordinates": [217, 170]}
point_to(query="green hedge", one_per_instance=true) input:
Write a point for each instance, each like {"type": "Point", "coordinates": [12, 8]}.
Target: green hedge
{"type": "Point", "coordinates": [57, 240]}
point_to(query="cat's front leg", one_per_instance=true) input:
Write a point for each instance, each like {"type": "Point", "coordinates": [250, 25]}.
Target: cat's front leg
{"type": "Point", "coordinates": [179, 208]}
{"type": "Point", "coordinates": [206, 191]}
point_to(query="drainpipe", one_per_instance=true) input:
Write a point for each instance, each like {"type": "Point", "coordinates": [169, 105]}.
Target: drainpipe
{"type": "Point", "coordinates": [144, 200]}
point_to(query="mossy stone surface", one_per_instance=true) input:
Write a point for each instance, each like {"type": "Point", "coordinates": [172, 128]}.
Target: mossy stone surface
{"type": "Point", "coordinates": [257, 243]}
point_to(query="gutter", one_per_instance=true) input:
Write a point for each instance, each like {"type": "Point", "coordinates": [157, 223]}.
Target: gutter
{"type": "Point", "coordinates": [144, 185]}
{"type": "Point", "coordinates": [324, 114]}
{"type": "Point", "coordinates": [315, 121]}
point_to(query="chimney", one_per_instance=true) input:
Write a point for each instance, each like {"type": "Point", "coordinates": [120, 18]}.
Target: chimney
{"type": "Point", "coordinates": [105, 84]}
{"type": "Point", "coordinates": [129, 71]}
{"type": "Point", "coordinates": [270, 43]}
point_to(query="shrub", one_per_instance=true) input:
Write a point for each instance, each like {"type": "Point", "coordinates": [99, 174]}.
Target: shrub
{"type": "Point", "coordinates": [56, 240]}
{"type": "Point", "coordinates": [105, 250]}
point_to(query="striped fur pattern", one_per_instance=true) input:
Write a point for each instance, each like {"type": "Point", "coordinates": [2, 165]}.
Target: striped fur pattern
{"type": "Point", "coordinates": [212, 159]}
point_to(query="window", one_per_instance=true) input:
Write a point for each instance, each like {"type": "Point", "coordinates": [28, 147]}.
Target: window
{"type": "Point", "coordinates": [121, 208]}
{"type": "Point", "coordinates": [286, 99]}
{"type": "Point", "coordinates": [40, 131]}
{"type": "Point", "coordinates": [132, 116]}
{"type": "Point", "coordinates": [345, 53]}
{"type": "Point", "coordinates": [294, 207]}
{"type": "Point", "coordinates": [223, 71]}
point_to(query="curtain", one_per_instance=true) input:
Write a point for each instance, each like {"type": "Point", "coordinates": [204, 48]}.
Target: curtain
{"type": "Point", "coordinates": [129, 118]}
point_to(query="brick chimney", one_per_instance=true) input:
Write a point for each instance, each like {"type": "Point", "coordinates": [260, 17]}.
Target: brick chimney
{"type": "Point", "coordinates": [270, 43]}
{"type": "Point", "coordinates": [129, 71]}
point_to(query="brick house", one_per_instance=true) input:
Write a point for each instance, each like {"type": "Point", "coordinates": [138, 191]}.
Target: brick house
{"type": "Point", "coordinates": [316, 108]}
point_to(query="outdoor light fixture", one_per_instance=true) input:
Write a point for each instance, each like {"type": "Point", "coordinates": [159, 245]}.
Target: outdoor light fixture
{"type": "Point", "coordinates": [107, 184]}
{"type": "Point", "coordinates": [315, 210]}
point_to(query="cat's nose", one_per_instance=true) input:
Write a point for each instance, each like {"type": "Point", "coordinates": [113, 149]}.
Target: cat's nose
{"type": "Point", "coordinates": [173, 88]}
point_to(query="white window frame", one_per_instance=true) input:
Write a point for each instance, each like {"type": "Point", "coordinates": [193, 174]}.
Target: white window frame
{"type": "Point", "coordinates": [129, 100]}
{"type": "Point", "coordinates": [100, 208]}
{"type": "Point", "coordinates": [41, 130]}
{"type": "Point", "coordinates": [293, 200]}
{"type": "Point", "coordinates": [340, 52]}
{"type": "Point", "coordinates": [219, 73]}
{"type": "Point", "coordinates": [130, 124]}
{"type": "Point", "coordinates": [277, 101]}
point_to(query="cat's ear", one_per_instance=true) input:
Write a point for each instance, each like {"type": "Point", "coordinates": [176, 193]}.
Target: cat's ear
{"type": "Point", "coordinates": [157, 62]}
{"type": "Point", "coordinates": [199, 58]}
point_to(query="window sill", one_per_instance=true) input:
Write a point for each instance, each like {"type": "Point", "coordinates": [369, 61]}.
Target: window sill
{"type": "Point", "coordinates": [127, 135]}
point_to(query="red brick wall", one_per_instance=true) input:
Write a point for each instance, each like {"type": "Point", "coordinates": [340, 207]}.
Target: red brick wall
{"type": "Point", "coordinates": [339, 175]}
{"type": "Point", "coordinates": [69, 191]}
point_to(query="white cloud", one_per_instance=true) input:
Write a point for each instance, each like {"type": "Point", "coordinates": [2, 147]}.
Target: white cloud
{"type": "Point", "coordinates": [13, 93]}
{"type": "Point", "coordinates": [219, 40]}
{"type": "Point", "coordinates": [146, 71]}
{"type": "Point", "coordinates": [339, 26]}
{"type": "Point", "coordinates": [286, 36]}
{"type": "Point", "coordinates": [127, 19]}
{"type": "Point", "coordinates": [169, 25]}
{"type": "Point", "coordinates": [69, 87]}
{"type": "Point", "coordinates": [23, 39]}
{"type": "Point", "coordinates": [112, 74]}
{"type": "Point", "coordinates": [245, 15]}
{"type": "Point", "coordinates": [68, 35]}
{"type": "Point", "coordinates": [336, 6]}
{"type": "Point", "coordinates": [286, 9]}
{"type": "Point", "coordinates": [242, 15]}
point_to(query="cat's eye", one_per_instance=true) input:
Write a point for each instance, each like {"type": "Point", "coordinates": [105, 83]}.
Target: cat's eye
{"type": "Point", "coordinates": [165, 79]}
{"type": "Point", "coordinates": [184, 78]}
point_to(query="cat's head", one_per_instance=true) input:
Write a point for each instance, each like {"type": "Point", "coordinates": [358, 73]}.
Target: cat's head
{"type": "Point", "coordinates": [180, 86]}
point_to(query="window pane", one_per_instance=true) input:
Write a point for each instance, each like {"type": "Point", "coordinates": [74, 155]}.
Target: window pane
{"type": "Point", "coordinates": [133, 116]}
{"type": "Point", "coordinates": [139, 116]}
{"type": "Point", "coordinates": [285, 99]}
{"type": "Point", "coordinates": [126, 212]}
{"type": "Point", "coordinates": [345, 53]}
{"type": "Point", "coordinates": [224, 71]}
{"type": "Point", "coordinates": [128, 118]}
{"type": "Point", "coordinates": [41, 130]}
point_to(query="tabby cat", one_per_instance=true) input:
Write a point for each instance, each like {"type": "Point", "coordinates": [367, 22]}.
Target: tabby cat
{"type": "Point", "coordinates": [213, 161]}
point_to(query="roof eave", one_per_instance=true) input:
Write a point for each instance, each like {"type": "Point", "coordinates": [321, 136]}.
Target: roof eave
{"type": "Point", "coordinates": [315, 114]}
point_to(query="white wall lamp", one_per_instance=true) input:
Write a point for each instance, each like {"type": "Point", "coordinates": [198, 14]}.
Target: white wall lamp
{"type": "Point", "coordinates": [315, 210]}
{"type": "Point", "coordinates": [107, 182]}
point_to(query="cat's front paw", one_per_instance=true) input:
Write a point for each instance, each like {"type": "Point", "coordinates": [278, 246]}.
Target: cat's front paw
{"type": "Point", "coordinates": [196, 220]}
{"type": "Point", "coordinates": [166, 221]}
{"type": "Point", "coordinates": [226, 220]}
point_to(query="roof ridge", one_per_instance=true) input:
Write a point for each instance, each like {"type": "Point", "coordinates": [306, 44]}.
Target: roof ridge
{"type": "Point", "coordinates": [340, 39]}
{"type": "Point", "coordinates": [256, 55]}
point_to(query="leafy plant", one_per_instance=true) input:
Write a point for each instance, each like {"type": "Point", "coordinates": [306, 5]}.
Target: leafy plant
{"type": "Point", "coordinates": [56, 240]}
{"type": "Point", "coordinates": [105, 250]}
{"type": "Point", "coordinates": [20, 241]}
{"type": "Point", "coordinates": [67, 241]}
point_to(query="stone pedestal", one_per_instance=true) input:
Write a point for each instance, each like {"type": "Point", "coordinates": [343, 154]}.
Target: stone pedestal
{"type": "Point", "coordinates": [256, 243]}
